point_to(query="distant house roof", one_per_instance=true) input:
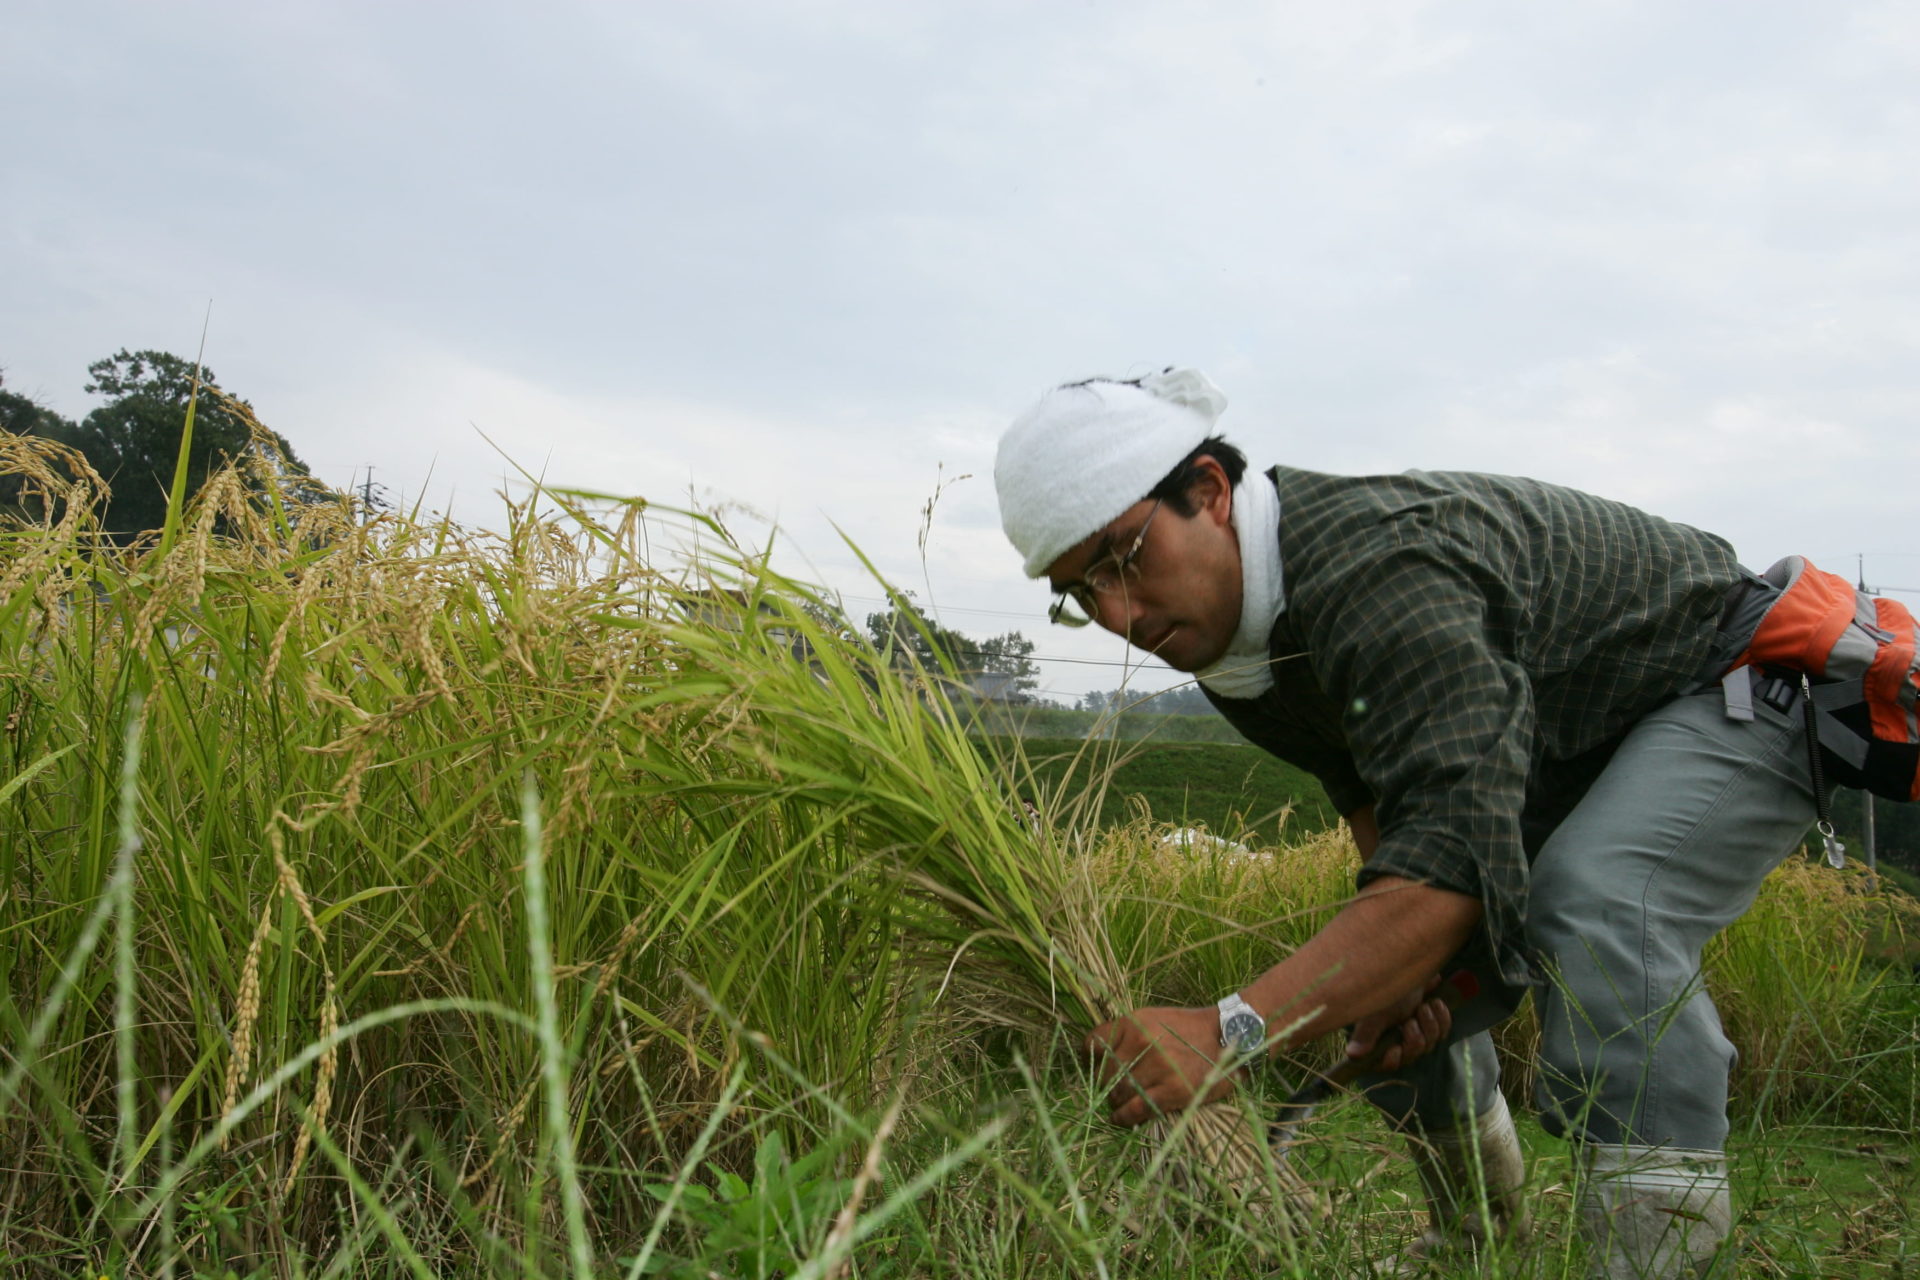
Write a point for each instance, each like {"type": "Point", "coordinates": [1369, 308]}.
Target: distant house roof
{"type": "Point", "coordinates": [995, 686]}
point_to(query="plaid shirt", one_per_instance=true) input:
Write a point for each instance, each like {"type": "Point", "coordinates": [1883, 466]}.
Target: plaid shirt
{"type": "Point", "coordinates": [1450, 638]}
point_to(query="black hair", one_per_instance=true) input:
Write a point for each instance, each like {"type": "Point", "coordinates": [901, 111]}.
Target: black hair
{"type": "Point", "coordinates": [1174, 487]}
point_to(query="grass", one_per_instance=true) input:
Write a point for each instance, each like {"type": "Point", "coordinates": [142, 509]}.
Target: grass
{"type": "Point", "coordinates": [390, 898]}
{"type": "Point", "coordinates": [1235, 791]}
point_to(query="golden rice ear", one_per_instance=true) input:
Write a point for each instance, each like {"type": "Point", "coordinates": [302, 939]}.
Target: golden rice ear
{"type": "Point", "coordinates": [56, 511]}
{"type": "Point", "coordinates": [57, 483]}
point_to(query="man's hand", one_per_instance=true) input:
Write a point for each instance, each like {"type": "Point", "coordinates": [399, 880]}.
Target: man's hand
{"type": "Point", "coordinates": [1157, 1060]}
{"type": "Point", "coordinates": [1423, 1019]}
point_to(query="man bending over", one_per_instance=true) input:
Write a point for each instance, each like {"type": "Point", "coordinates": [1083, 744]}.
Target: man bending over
{"type": "Point", "coordinates": [1512, 691]}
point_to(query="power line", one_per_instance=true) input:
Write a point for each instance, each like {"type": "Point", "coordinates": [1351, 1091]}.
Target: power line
{"type": "Point", "coordinates": [1087, 662]}
{"type": "Point", "coordinates": [1860, 565]}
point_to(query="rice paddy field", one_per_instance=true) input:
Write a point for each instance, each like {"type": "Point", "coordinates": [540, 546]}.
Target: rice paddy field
{"type": "Point", "coordinates": [383, 897]}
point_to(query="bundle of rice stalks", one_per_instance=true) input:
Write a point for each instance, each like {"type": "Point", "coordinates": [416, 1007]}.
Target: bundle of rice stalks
{"type": "Point", "coordinates": [807, 729]}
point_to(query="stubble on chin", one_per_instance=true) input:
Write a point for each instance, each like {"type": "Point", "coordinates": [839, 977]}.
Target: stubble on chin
{"type": "Point", "coordinates": [1178, 654]}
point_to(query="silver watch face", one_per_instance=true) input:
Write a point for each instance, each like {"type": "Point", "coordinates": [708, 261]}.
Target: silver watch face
{"type": "Point", "coordinates": [1244, 1033]}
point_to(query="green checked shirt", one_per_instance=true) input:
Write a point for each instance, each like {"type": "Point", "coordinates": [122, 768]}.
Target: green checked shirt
{"type": "Point", "coordinates": [1447, 638]}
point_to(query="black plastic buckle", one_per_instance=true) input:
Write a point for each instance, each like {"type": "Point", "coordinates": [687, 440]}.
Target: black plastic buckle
{"type": "Point", "coordinates": [1777, 692]}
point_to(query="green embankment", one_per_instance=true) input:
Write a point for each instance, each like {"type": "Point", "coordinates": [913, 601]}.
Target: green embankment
{"type": "Point", "coordinates": [1212, 786]}
{"type": "Point", "coordinates": [996, 720]}
{"type": "Point", "coordinates": [1236, 791]}
{"type": "Point", "coordinates": [1189, 775]}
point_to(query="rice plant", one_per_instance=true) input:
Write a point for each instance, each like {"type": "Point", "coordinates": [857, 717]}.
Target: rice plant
{"type": "Point", "coordinates": [383, 896]}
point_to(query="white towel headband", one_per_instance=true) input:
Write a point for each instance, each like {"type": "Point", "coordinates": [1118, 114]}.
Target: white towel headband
{"type": "Point", "coordinates": [1088, 451]}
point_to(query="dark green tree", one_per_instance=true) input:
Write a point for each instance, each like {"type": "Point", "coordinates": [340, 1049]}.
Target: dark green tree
{"type": "Point", "coordinates": [27, 417]}
{"type": "Point", "coordinates": [1009, 654]}
{"type": "Point", "coordinates": [133, 440]}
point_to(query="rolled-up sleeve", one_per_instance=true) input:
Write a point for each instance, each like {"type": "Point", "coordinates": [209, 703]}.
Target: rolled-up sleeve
{"type": "Point", "coordinates": [1439, 717]}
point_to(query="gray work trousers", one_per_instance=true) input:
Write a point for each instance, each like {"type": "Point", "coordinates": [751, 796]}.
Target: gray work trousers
{"type": "Point", "coordinates": [1667, 847]}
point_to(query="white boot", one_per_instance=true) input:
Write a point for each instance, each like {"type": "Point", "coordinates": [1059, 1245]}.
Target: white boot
{"type": "Point", "coordinates": [1455, 1165]}
{"type": "Point", "coordinates": [1651, 1213]}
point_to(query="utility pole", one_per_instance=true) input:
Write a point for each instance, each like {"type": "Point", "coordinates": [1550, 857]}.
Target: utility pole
{"type": "Point", "coordinates": [1866, 797]}
{"type": "Point", "coordinates": [370, 497]}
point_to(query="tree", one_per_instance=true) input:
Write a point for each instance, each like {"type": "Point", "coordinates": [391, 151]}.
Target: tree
{"type": "Point", "coordinates": [1003, 663]}
{"type": "Point", "coordinates": [1185, 700]}
{"type": "Point", "coordinates": [26, 417]}
{"type": "Point", "coordinates": [1102, 701]}
{"type": "Point", "coordinates": [133, 440]}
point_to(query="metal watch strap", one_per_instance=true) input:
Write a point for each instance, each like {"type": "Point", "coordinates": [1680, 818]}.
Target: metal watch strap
{"type": "Point", "coordinates": [1242, 1029]}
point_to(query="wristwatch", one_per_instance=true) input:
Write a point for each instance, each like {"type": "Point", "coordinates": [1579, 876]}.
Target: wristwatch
{"type": "Point", "coordinates": [1241, 1029]}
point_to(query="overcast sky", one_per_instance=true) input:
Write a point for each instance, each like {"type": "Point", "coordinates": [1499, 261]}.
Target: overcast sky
{"type": "Point", "coordinates": [801, 256]}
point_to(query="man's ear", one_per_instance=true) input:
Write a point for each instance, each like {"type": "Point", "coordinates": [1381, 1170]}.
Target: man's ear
{"type": "Point", "coordinates": [1212, 490]}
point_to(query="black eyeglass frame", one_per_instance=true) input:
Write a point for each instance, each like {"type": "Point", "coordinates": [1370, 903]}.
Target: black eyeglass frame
{"type": "Point", "coordinates": [1099, 580]}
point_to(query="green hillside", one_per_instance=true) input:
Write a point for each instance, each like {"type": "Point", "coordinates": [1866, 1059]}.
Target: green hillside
{"type": "Point", "coordinates": [1000, 720]}
{"type": "Point", "coordinates": [1232, 789]}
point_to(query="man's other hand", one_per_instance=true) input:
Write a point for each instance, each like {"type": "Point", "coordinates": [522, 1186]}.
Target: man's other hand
{"type": "Point", "coordinates": [1423, 1018]}
{"type": "Point", "coordinates": [1156, 1061]}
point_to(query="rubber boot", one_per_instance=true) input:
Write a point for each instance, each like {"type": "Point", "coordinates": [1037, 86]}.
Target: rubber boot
{"type": "Point", "coordinates": [1455, 1165]}
{"type": "Point", "coordinates": [1653, 1213]}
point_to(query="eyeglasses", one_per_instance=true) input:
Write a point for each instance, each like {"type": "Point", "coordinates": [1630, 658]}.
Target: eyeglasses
{"type": "Point", "coordinates": [1102, 579]}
